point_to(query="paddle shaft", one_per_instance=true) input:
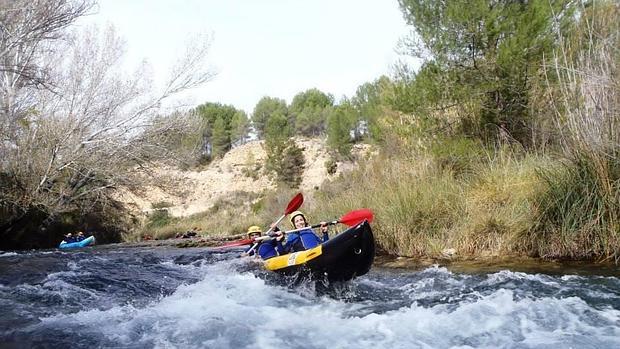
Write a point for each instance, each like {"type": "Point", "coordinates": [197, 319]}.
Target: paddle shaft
{"type": "Point", "coordinates": [237, 243]}
{"type": "Point", "coordinates": [269, 237]}
{"type": "Point", "coordinates": [350, 219]}
{"type": "Point", "coordinates": [344, 221]}
{"type": "Point", "coordinates": [293, 205]}
{"type": "Point", "coordinates": [275, 224]}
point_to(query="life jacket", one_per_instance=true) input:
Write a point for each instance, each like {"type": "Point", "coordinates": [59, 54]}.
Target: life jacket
{"type": "Point", "coordinates": [301, 241]}
{"type": "Point", "coordinates": [267, 250]}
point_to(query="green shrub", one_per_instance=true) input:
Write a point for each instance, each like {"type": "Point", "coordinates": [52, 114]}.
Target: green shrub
{"type": "Point", "coordinates": [331, 166]}
{"type": "Point", "coordinates": [457, 154]}
{"type": "Point", "coordinates": [159, 218]}
{"type": "Point", "coordinates": [293, 164]}
{"type": "Point", "coordinates": [161, 204]}
{"type": "Point", "coordinates": [579, 215]}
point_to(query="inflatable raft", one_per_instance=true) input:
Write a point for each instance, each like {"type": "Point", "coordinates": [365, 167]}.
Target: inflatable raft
{"type": "Point", "coordinates": [88, 241]}
{"type": "Point", "coordinates": [342, 258]}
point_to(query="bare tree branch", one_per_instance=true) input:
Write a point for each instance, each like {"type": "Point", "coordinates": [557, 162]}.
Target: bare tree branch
{"type": "Point", "coordinates": [94, 127]}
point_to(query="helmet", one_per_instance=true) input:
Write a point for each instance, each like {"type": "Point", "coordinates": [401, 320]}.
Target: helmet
{"type": "Point", "coordinates": [292, 216]}
{"type": "Point", "coordinates": [254, 229]}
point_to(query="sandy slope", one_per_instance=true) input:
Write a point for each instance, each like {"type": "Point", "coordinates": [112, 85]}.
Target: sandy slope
{"type": "Point", "coordinates": [197, 191]}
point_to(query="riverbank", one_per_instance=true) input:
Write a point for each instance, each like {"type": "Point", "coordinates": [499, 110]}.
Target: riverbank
{"type": "Point", "coordinates": [493, 264]}
{"type": "Point", "coordinates": [466, 265]}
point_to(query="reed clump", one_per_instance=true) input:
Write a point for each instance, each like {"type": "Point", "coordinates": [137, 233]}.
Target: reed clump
{"type": "Point", "coordinates": [579, 214]}
{"type": "Point", "coordinates": [423, 207]}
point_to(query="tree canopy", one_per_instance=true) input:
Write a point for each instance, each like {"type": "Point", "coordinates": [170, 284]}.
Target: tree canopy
{"type": "Point", "coordinates": [309, 110]}
{"type": "Point", "coordinates": [223, 125]}
{"type": "Point", "coordinates": [486, 54]}
{"type": "Point", "coordinates": [264, 110]}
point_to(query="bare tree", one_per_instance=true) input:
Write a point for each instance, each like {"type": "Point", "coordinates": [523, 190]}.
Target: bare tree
{"type": "Point", "coordinates": [84, 128]}
{"type": "Point", "coordinates": [24, 26]}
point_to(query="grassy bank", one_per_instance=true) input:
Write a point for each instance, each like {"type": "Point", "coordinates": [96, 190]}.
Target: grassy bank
{"type": "Point", "coordinates": [424, 207]}
{"type": "Point", "coordinates": [465, 201]}
{"type": "Point", "coordinates": [505, 202]}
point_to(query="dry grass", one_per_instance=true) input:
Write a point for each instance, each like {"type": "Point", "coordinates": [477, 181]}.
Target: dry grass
{"type": "Point", "coordinates": [230, 215]}
{"type": "Point", "coordinates": [423, 207]}
{"type": "Point", "coordinates": [499, 203]}
{"type": "Point", "coordinates": [580, 213]}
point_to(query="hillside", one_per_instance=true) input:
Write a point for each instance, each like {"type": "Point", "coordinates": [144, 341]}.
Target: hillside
{"type": "Point", "coordinates": [195, 191]}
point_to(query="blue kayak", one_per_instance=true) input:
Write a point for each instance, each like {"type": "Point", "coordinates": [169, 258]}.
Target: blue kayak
{"type": "Point", "coordinates": [88, 241]}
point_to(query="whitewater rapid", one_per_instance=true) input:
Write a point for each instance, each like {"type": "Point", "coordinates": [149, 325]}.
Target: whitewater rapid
{"type": "Point", "coordinates": [192, 298]}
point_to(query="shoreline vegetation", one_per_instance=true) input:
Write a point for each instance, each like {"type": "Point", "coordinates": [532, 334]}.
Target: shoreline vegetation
{"type": "Point", "coordinates": [470, 264]}
{"type": "Point", "coordinates": [505, 144]}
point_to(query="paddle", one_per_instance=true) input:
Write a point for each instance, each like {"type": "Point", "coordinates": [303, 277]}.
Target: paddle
{"type": "Point", "coordinates": [350, 219]}
{"type": "Point", "coordinates": [293, 205]}
{"type": "Point", "coordinates": [237, 243]}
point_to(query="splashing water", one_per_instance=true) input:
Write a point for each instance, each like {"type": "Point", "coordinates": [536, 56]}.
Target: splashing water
{"type": "Point", "coordinates": [195, 298]}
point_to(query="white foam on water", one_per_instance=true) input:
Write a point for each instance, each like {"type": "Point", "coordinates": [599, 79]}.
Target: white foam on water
{"type": "Point", "coordinates": [229, 309]}
{"type": "Point", "coordinates": [512, 276]}
{"type": "Point", "coordinates": [8, 254]}
{"type": "Point", "coordinates": [55, 287]}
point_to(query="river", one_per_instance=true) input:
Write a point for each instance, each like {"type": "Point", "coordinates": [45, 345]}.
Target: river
{"type": "Point", "coordinates": [164, 297]}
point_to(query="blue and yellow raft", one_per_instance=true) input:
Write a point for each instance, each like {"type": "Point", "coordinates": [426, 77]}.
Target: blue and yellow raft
{"type": "Point", "coordinates": [342, 258]}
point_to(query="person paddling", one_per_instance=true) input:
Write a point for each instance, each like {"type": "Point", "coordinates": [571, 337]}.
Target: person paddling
{"type": "Point", "coordinates": [266, 248]}
{"type": "Point", "coordinates": [301, 239]}
{"type": "Point", "coordinates": [80, 236]}
{"type": "Point", "coordinates": [69, 238]}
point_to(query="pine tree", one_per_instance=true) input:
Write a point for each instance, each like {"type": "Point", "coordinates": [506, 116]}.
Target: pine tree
{"type": "Point", "coordinates": [230, 128]}
{"type": "Point", "coordinates": [277, 133]}
{"type": "Point", "coordinates": [484, 55]}
{"type": "Point", "coordinates": [264, 110]}
{"type": "Point", "coordinates": [339, 126]}
{"type": "Point", "coordinates": [293, 165]}
{"type": "Point", "coordinates": [220, 138]}
{"type": "Point", "coordinates": [309, 110]}
{"type": "Point", "coordinates": [239, 127]}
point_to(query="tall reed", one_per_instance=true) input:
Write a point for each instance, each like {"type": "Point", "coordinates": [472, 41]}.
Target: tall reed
{"type": "Point", "coordinates": [580, 214]}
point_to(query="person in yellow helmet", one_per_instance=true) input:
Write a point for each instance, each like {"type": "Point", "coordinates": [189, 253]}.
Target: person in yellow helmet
{"type": "Point", "coordinates": [263, 248]}
{"type": "Point", "coordinates": [254, 232]}
{"type": "Point", "coordinates": [302, 239]}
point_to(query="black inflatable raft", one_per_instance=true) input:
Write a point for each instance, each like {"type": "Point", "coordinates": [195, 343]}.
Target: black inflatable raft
{"type": "Point", "coordinates": [342, 258]}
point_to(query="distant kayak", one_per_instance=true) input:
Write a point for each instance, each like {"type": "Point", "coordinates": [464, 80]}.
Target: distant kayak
{"type": "Point", "coordinates": [342, 258]}
{"type": "Point", "coordinates": [88, 241]}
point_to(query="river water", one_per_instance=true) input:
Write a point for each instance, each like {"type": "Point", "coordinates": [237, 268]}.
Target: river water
{"type": "Point", "coordinates": [146, 297]}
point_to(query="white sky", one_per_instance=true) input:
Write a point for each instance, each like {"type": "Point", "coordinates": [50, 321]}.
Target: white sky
{"type": "Point", "coordinates": [274, 48]}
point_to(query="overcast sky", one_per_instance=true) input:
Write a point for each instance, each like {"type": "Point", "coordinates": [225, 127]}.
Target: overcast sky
{"type": "Point", "coordinates": [274, 48]}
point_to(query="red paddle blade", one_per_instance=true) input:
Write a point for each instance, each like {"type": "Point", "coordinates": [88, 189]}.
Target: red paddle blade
{"type": "Point", "coordinates": [238, 243]}
{"type": "Point", "coordinates": [294, 204]}
{"type": "Point", "coordinates": [355, 217]}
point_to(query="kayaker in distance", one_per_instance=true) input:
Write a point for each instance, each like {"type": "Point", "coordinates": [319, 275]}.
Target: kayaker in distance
{"type": "Point", "coordinates": [69, 238]}
{"type": "Point", "coordinates": [76, 240]}
{"type": "Point", "coordinates": [303, 239]}
{"type": "Point", "coordinates": [266, 248]}
{"type": "Point", "coordinates": [80, 236]}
